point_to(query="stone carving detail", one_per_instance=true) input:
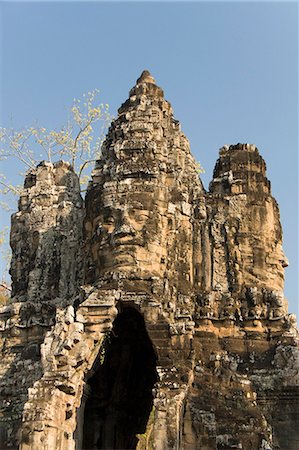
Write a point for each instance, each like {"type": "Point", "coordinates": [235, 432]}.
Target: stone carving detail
{"type": "Point", "coordinates": [152, 315]}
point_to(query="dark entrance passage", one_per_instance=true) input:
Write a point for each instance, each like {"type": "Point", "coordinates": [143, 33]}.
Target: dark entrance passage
{"type": "Point", "coordinates": [120, 399]}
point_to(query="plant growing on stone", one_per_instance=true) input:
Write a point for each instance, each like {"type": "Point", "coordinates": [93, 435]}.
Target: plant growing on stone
{"type": "Point", "coordinates": [4, 296]}
{"type": "Point", "coordinates": [199, 168]}
{"type": "Point", "coordinates": [78, 142]}
{"type": "Point", "coordinates": [105, 343]}
{"type": "Point", "coordinates": [5, 256]}
{"type": "Point", "coordinates": [145, 440]}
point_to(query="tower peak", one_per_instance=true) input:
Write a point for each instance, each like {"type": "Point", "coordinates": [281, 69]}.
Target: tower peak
{"type": "Point", "coordinates": [146, 77]}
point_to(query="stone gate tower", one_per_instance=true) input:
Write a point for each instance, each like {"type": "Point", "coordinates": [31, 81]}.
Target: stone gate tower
{"type": "Point", "coordinates": [151, 315]}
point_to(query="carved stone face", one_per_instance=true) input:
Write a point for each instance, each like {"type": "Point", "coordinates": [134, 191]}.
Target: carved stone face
{"type": "Point", "coordinates": [131, 227]}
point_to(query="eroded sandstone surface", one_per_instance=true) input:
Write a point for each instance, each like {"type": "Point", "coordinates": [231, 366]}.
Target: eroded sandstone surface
{"type": "Point", "coordinates": [152, 314]}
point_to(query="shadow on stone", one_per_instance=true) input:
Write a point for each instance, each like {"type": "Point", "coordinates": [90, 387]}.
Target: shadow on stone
{"type": "Point", "coordinates": [119, 398]}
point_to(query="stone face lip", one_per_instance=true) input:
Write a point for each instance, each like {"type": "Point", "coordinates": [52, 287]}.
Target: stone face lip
{"type": "Point", "coordinates": [152, 315]}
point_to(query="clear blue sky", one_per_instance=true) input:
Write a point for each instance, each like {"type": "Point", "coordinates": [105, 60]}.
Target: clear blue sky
{"type": "Point", "coordinates": [230, 70]}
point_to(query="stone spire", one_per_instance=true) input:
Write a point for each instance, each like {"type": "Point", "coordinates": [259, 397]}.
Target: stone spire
{"type": "Point", "coordinates": [246, 234]}
{"type": "Point", "coordinates": [240, 169]}
{"type": "Point", "coordinates": [46, 236]}
{"type": "Point", "coordinates": [146, 165]}
{"type": "Point", "coordinates": [146, 85]}
{"type": "Point", "coordinates": [146, 77]}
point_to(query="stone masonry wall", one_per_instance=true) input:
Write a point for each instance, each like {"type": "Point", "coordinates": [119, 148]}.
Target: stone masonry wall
{"type": "Point", "coordinates": [152, 315]}
{"type": "Point", "coordinates": [46, 270]}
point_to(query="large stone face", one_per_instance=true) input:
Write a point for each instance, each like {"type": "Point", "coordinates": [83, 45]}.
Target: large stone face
{"type": "Point", "coordinates": [250, 221]}
{"type": "Point", "coordinates": [139, 203]}
{"type": "Point", "coordinates": [153, 316]}
{"type": "Point", "coordinates": [248, 262]}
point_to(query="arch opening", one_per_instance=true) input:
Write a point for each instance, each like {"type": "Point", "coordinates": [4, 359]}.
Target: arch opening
{"type": "Point", "coordinates": [120, 396]}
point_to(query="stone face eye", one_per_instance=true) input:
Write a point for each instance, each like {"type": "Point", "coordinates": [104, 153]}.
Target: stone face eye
{"type": "Point", "coordinates": [141, 217]}
{"type": "Point", "coordinates": [110, 221]}
{"type": "Point", "coordinates": [107, 224]}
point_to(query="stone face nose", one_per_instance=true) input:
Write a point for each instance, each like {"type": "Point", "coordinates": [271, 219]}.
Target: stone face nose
{"type": "Point", "coordinates": [146, 77]}
{"type": "Point", "coordinates": [125, 229]}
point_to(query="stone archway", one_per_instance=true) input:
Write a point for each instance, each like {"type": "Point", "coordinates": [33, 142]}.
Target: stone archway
{"type": "Point", "coordinates": [119, 392]}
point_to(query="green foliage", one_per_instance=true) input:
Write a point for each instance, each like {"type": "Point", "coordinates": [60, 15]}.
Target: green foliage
{"type": "Point", "coordinates": [4, 294]}
{"type": "Point", "coordinates": [5, 252]}
{"type": "Point", "coordinates": [106, 341]}
{"type": "Point", "coordinates": [145, 440]}
{"type": "Point", "coordinates": [199, 168]}
{"type": "Point", "coordinates": [77, 142]}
